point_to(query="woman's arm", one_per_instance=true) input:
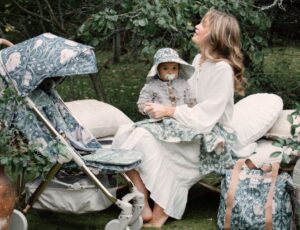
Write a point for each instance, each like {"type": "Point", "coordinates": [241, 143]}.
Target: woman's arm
{"type": "Point", "coordinates": [216, 87]}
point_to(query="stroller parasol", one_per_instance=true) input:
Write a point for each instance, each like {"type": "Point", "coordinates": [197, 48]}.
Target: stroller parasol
{"type": "Point", "coordinates": [30, 62]}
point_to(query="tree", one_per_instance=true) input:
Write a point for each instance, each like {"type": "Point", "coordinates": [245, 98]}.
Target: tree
{"type": "Point", "coordinates": [149, 24]}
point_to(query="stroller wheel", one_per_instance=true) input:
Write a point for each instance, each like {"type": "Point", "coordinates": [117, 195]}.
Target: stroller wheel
{"type": "Point", "coordinates": [18, 221]}
{"type": "Point", "coordinates": [137, 225]}
{"type": "Point", "coordinates": [115, 225]}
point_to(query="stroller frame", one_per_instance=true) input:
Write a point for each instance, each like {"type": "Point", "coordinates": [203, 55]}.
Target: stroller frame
{"type": "Point", "coordinates": [131, 204]}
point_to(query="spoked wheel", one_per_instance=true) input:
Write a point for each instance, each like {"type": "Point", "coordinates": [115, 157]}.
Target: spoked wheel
{"type": "Point", "coordinates": [115, 225]}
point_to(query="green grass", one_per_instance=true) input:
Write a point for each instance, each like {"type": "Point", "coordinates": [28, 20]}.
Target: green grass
{"type": "Point", "coordinates": [287, 57]}
{"type": "Point", "coordinates": [201, 213]}
{"type": "Point", "coordinates": [282, 73]}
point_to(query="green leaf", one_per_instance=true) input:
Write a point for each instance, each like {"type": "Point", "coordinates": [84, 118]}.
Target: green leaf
{"type": "Point", "coordinates": [278, 143]}
{"type": "Point", "coordinates": [275, 154]}
{"type": "Point", "coordinates": [290, 119]}
{"type": "Point", "coordinates": [142, 22]}
{"type": "Point", "coordinates": [258, 38]}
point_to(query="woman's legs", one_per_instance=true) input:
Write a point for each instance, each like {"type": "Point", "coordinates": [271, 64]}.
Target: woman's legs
{"type": "Point", "coordinates": [137, 181]}
{"type": "Point", "coordinates": [159, 217]}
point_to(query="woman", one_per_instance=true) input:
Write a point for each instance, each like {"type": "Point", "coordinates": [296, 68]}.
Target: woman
{"type": "Point", "coordinates": [168, 170]}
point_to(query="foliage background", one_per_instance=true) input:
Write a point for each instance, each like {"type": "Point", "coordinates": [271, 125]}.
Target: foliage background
{"type": "Point", "coordinates": [125, 35]}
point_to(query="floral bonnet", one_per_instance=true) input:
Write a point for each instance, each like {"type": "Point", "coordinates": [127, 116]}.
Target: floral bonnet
{"type": "Point", "coordinates": [170, 55]}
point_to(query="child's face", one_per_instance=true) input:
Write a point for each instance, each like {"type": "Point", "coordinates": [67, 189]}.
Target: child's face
{"type": "Point", "coordinates": [168, 70]}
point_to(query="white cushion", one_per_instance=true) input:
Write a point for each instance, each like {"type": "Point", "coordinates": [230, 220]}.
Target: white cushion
{"type": "Point", "coordinates": [263, 152]}
{"type": "Point", "coordinates": [254, 115]}
{"type": "Point", "coordinates": [245, 151]}
{"type": "Point", "coordinates": [100, 118]}
{"type": "Point", "coordinates": [281, 128]}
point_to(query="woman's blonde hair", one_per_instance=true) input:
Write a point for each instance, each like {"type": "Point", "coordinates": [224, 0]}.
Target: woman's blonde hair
{"type": "Point", "coordinates": [223, 43]}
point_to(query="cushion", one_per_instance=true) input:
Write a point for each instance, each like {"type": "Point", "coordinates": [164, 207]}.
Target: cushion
{"type": "Point", "coordinates": [100, 118]}
{"type": "Point", "coordinates": [263, 152]}
{"type": "Point", "coordinates": [245, 151]}
{"type": "Point", "coordinates": [254, 115]}
{"type": "Point", "coordinates": [281, 128]}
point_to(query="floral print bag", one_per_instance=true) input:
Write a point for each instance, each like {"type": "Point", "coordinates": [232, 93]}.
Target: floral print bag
{"type": "Point", "coordinates": [253, 199]}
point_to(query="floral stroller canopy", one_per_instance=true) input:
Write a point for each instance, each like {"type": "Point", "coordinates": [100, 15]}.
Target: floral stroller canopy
{"type": "Point", "coordinates": [39, 113]}
{"type": "Point", "coordinates": [30, 62]}
{"type": "Point", "coordinates": [32, 67]}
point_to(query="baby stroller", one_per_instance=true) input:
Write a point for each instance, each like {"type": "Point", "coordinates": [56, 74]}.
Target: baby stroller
{"type": "Point", "coordinates": [34, 68]}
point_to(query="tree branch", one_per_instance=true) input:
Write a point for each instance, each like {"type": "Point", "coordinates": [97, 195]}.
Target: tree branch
{"type": "Point", "coordinates": [41, 13]}
{"type": "Point", "coordinates": [52, 15]}
{"type": "Point", "coordinates": [29, 12]}
{"type": "Point", "coordinates": [61, 18]}
{"type": "Point", "coordinates": [276, 2]}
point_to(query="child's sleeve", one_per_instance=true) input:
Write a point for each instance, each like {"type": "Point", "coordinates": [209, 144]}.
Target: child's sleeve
{"type": "Point", "coordinates": [146, 95]}
{"type": "Point", "coordinates": [189, 97]}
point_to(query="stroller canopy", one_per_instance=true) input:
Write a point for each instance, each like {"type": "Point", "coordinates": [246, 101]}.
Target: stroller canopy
{"type": "Point", "coordinates": [29, 63]}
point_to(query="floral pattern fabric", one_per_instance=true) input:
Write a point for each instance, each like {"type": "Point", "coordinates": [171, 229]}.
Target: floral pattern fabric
{"type": "Point", "coordinates": [250, 198]}
{"type": "Point", "coordinates": [215, 148]}
{"type": "Point", "coordinates": [28, 63]}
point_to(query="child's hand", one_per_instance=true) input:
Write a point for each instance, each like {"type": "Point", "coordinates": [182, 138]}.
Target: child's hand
{"type": "Point", "coordinates": [157, 111]}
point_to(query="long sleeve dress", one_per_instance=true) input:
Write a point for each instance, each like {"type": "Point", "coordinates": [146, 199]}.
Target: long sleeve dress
{"type": "Point", "coordinates": [168, 170]}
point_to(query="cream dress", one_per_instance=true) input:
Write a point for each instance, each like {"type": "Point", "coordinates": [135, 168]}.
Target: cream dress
{"type": "Point", "coordinates": [168, 170]}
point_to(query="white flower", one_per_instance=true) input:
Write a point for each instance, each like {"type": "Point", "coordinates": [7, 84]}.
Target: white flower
{"type": "Point", "coordinates": [258, 209]}
{"type": "Point", "coordinates": [49, 35]}
{"type": "Point", "coordinates": [38, 43]}
{"type": "Point", "coordinates": [27, 78]}
{"type": "Point", "coordinates": [14, 60]}
{"type": "Point", "coordinates": [287, 150]}
{"type": "Point", "coordinates": [66, 55]}
{"type": "Point", "coordinates": [43, 143]}
{"type": "Point", "coordinates": [297, 131]}
{"type": "Point", "coordinates": [71, 43]}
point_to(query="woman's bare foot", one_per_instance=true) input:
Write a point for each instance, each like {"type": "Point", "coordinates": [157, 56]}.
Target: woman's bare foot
{"type": "Point", "coordinates": [147, 214]}
{"type": "Point", "coordinates": [159, 217]}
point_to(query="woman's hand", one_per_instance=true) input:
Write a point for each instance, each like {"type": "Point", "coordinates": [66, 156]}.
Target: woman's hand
{"type": "Point", "coordinates": [157, 111]}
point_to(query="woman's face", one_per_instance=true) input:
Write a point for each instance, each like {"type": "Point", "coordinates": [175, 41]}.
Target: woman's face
{"type": "Point", "coordinates": [201, 31]}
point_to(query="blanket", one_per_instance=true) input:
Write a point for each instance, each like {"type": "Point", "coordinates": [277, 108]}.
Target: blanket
{"type": "Point", "coordinates": [215, 147]}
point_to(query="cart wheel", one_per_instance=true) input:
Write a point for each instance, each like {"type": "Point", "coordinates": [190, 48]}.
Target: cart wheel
{"type": "Point", "coordinates": [115, 225]}
{"type": "Point", "coordinates": [137, 225]}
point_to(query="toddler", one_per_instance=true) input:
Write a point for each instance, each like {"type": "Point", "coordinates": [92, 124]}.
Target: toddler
{"type": "Point", "coordinates": [167, 81]}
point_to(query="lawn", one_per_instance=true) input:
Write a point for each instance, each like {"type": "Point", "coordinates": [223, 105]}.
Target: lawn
{"type": "Point", "coordinates": [201, 213]}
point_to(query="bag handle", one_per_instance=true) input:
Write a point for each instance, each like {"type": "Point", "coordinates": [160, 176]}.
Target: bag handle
{"type": "Point", "coordinates": [268, 207]}
{"type": "Point", "coordinates": [232, 189]}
